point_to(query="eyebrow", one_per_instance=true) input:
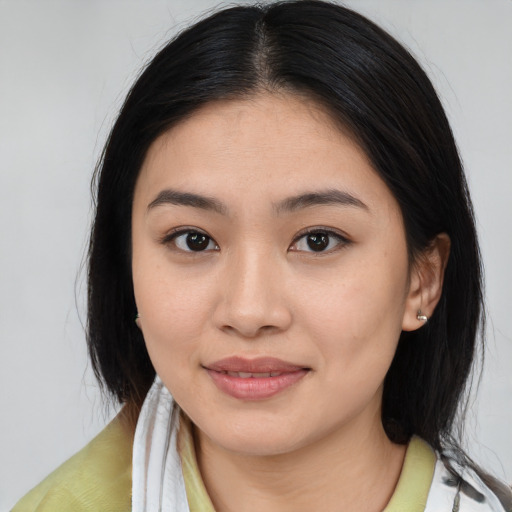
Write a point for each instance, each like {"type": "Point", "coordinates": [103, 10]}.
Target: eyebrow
{"type": "Point", "coordinates": [324, 197]}
{"type": "Point", "coordinates": [174, 197]}
{"type": "Point", "coordinates": [288, 205]}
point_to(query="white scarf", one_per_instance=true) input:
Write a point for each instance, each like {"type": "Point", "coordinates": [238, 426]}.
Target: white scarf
{"type": "Point", "coordinates": [157, 479]}
{"type": "Point", "coordinates": [158, 484]}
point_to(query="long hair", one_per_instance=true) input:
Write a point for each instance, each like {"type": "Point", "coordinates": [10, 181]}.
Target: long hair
{"type": "Point", "coordinates": [374, 89]}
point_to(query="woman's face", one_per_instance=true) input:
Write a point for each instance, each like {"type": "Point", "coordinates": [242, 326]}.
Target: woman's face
{"type": "Point", "coordinates": [271, 274]}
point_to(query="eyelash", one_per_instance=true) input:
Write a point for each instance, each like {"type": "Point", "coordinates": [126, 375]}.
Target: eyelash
{"type": "Point", "coordinates": [341, 240]}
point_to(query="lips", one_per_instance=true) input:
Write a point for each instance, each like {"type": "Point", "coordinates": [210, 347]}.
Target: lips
{"type": "Point", "coordinates": [254, 379]}
{"type": "Point", "coordinates": [259, 365]}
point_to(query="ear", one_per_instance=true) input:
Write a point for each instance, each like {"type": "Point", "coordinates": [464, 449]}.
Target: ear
{"type": "Point", "coordinates": [426, 282]}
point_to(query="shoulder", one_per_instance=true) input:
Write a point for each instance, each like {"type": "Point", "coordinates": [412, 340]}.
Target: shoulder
{"type": "Point", "coordinates": [98, 477]}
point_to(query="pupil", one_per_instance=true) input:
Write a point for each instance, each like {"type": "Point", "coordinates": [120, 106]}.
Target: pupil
{"type": "Point", "coordinates": [318, 241]}
{"type": "Point", "coordinates": [197, 241]}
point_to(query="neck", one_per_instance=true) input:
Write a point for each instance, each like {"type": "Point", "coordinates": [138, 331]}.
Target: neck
{"type": "Point", "coordinates": [352, 469]}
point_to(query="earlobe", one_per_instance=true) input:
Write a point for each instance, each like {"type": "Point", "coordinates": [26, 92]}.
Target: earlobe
{"type": "Point", "coordinates": [426, 283]}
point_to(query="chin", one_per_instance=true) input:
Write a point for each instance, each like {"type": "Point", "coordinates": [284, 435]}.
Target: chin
{"type": "Point", "coordinates": [263, 446]}
{"type": "Point", "coordinates": [260, 437]}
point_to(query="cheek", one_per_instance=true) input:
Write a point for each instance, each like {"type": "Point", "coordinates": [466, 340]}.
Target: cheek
{"type": "Point", "coordinates": [174, 312]}
{"type": "Point", "coordinates": [356, 329]}
{"type": "Point", "coordinates": [172, 317]}
{"type": "Point", "coordinates": [167, 293]}
{"type": "Point", "coordinates": [357, 318]}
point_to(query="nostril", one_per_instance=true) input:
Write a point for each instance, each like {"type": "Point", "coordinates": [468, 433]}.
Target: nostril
{"type": "Point", "coordinates": [246, 331]}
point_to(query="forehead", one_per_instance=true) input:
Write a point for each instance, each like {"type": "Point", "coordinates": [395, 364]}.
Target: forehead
{"type": "Point", "coordinates": [264, 120]}
{"type": "Point", "coordinates": [263, 147]}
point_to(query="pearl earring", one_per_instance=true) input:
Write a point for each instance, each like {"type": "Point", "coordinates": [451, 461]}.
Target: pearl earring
{"type": "Point", "coordinates": [421, 317]}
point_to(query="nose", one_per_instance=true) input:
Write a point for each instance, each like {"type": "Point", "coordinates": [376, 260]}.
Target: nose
{"type": "Point", "coordinates": [253, 296]}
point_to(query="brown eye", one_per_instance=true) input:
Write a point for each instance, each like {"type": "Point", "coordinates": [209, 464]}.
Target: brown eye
{"type": "Point", "coordinates": [193, 241]}
{"type": "Point", "coordinates": [197, 241]}
{"type": "Point", "coordinates": [317, 241]}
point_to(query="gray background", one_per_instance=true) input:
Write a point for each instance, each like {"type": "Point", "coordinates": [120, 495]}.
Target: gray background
{"type": "Point", "coordinates": [65, 67]}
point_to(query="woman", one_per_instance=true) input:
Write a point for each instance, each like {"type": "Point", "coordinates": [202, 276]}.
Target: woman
{"type": "Point", "coordinates": [282, 210]}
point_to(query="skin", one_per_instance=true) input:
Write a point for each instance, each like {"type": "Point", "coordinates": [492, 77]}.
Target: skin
{"type": "Point", "coordinates": [259, 290]}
